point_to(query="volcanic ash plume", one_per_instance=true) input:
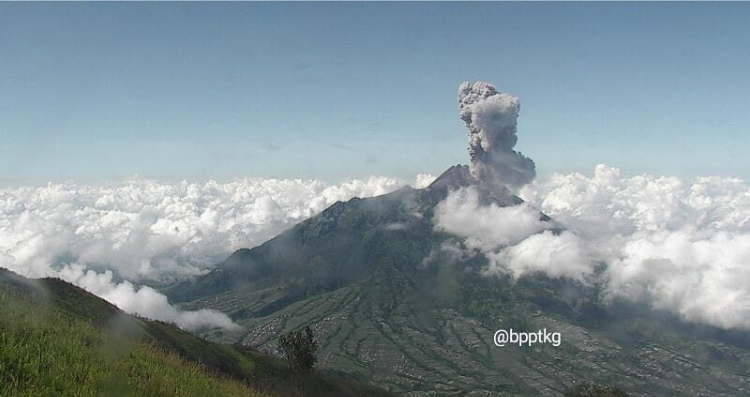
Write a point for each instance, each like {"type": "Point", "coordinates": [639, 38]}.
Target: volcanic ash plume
{"type": "Point", "coordinates": [491, 118]}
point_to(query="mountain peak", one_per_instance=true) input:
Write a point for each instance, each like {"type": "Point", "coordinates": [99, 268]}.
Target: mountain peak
{"type": "Point", "coordinates": [453, 178]}
{"type": "Point", "coordinates": [459, 176]}
{"type": "Point", "coordinates": [407, 305]}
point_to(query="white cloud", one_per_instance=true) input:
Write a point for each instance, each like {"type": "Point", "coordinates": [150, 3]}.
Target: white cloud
{"type": "Point", "coordinates": [681, 247]}
{"type": "Point", "coordinates": [146, 231]}
{"type": "Point", "coordinates": [144, 301]}
{"type": "Point", "coordinates": [703, 278]}
{"type": "Point", "coordinates": [557, 255]}
{"type": "Point", "coordinates": [486, 227]}
{"type": "Point", "coordinates": [675, 246]}
{"type": "Point", "coordinates": [424, 180]}
{"type": "Point", "coordinates": [514, 238]}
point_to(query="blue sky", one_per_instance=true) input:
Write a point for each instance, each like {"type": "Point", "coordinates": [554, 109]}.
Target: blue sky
{"type": "Point", "coordinates": [99, 92]}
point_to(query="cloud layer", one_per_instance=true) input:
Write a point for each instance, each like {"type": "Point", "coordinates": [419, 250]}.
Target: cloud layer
{"type": "Point", "coordinates": [514, 238]}
{"type": "Point", "coordinates": [679, 247]}
{"type": "Point", "coordinates": [676, 246]}
{"type": "Point", "coordinates": [108, 239]}
{"type": "Point", "coordinates": [143, 301]}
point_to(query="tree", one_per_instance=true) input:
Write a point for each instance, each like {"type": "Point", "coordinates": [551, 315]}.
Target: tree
{"type": "Point", "coordinates": [299, 349]}
{"type": "Point", "coordinates": [587, 389]}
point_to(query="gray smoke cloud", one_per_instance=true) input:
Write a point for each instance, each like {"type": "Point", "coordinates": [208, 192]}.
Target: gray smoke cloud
{"type": "Point", "coordinates": [491, 117]}
{"type": "Point", "coordinates": [671, 245]}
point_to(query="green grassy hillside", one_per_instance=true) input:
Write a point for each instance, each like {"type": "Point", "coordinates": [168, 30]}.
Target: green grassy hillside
{"type": "Point", "coordinates": [59, 340]}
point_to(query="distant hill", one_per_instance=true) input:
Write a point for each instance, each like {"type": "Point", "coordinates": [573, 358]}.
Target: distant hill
{"type": "Point", "coordinates": [390, 306]}
{"type": "Point", "coordinates": [59, 340]}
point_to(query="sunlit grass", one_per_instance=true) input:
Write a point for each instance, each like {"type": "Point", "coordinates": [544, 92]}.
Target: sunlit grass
{"type": "Point", "coordinates": [43, 353]}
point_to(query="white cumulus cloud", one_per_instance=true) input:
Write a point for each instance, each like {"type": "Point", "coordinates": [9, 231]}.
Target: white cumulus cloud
{"type": "Point", "coordinates": [109, 239]}
{"type": "Point", "coordinates": [514, 238]}
{"type": "Point", "coordinates": [682, 247]}
{"type": "Point", "coordinates": [423, 180]}
{"type": "Point", "coordinates": [486, 227]}
{"type": "Point", "coordinates": [678, 246]}
{"type": "Point", "coordinates": [143, 301]}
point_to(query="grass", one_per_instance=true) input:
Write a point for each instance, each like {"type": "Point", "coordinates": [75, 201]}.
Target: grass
{"type": "Point", "coordinates": [58, 340]}
{"type": "Point", "coordinates": [47, 353]}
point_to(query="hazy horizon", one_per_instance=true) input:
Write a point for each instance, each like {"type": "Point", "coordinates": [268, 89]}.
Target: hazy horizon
{"type": "Point", "coordinates": [97, 93]}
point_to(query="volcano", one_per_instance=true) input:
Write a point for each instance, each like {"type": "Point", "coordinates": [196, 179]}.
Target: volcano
{"type": "Point", "coordinates": [403, 305]}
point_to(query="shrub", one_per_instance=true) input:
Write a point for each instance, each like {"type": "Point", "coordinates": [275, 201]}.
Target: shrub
{"type": "Point", "coordinates": [299, 349]}
{"type": "Point", "coordinates": [587, 389]}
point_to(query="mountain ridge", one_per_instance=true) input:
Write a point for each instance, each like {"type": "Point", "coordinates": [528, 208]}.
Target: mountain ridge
{"type": "Point", "coordinates": [406, 305]}
{"type": "Point", "coordinates": [44, 322]}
